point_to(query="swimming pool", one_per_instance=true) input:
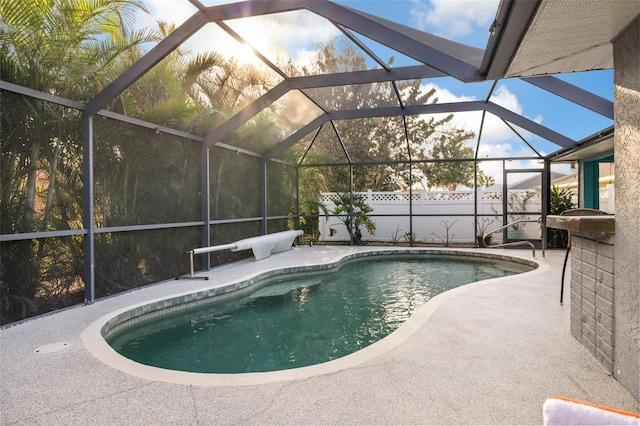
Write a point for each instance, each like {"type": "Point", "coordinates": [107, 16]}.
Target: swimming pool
{"type": "Point", "coordinates": [301, 321]}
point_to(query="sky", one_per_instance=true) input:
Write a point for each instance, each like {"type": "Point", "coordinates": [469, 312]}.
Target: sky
{"type": "Point", "coordinates": [463, 21]}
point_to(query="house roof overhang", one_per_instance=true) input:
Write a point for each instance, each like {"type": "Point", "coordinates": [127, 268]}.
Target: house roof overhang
{"type": "Point", "coordinates": [595, 146]}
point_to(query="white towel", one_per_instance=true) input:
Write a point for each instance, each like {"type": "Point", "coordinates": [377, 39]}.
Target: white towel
{"type": "Point", "coordinates": [565, 411]}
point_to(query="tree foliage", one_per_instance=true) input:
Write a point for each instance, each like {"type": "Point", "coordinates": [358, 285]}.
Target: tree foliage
{"type": "Point", "coordinates": [73, 49]}
{"type": "Point", "coordinates": [64, 48]}
{"type": "Point", "coordinates": [429, 141]}
{"type": "Point", "coordinates": [446, 171]}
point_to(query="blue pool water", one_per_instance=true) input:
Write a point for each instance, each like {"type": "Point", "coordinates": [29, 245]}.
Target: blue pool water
{"type": "Point", "coordinates": [300, 321]}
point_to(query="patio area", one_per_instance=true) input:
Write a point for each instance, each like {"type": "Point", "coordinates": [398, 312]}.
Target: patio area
{"type": "Point", "coordinates": [487, 353]}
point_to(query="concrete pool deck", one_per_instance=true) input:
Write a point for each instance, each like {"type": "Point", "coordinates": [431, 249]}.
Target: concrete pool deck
{"type": "Point", "coordinates": [489, 354]}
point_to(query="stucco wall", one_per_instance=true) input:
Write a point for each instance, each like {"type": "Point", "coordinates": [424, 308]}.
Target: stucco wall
{"type": "Point", "coordinates": [626, 52]}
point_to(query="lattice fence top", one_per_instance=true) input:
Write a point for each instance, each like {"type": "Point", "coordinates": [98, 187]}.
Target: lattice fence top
{"type": "Point", "coordinates": [448, 195]}
{"type": "Point", "coordinates": [328, 197]}
{"type": "Point", "coordinates": [494, 195]}
{"type": "Point", "coordinates": [418, 196]}
{"type": "Point", "coordinates": [394, 196]}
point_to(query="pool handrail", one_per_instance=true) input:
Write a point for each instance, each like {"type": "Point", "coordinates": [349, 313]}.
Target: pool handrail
{"type": "Point", "coordinates": [518, 243]}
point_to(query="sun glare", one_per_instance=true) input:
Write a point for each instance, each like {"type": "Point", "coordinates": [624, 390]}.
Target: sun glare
{"type": "Point", "coordinates": [244, 54]}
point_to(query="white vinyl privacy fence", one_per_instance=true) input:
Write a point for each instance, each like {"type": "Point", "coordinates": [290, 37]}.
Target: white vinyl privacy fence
{"type": "Point", "coordinates": [433, 216]}
{"type": "Point", "coordinates": [439, 216]}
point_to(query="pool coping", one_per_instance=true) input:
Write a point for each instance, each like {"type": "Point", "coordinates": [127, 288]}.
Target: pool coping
{"type": "Point", "coordinates": [94, 341]}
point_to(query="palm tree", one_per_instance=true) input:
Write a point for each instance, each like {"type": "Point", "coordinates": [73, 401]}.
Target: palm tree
{"type": "Point", "coordinates": [64, 48]}
{"type": "Point", "coordinates": [353, 211]}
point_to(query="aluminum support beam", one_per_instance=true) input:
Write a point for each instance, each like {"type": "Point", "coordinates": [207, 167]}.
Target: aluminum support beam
{"type": "Point", "coordinates": [363, 47]}
{"type": "Point", "coordinates": [298, 198]}
{"type": "Point", "coordinates": [245, 9]}
{"type": "Point", "coordinates": [15, 88]}
{"type": "Point", "coordinates": [530, 125]}
{"type": "Point", "coordinates": [34, 235]}
{"type": "Point", "coordinates": [87, 209]}
{"type": "Point", "coordinates": [295, 137]}
{"type": "Point", "coordinates": [47, 97]}
{"type": "Point", "coordinates": [315, 81]}
{"type": "Point", "coordinates": [255, 51]}
{"type": "Point", "coordinates": [521, 138]}
{"type": "Point", "coordinates": [351, 216]}
{"type": "Point", "coordinates": [494, 109]}
{"type": "Point", "coordinates": [475, 154]}
{"type": "Point", "coordinates": [200, 6]}
{"type": "Point", "coordinates": [447, 57]}
{"type": "Point", "coordinates": [573, 94]}
{"type": "Point", "coordinates": [413, 72]}
{"type": "Point", "coordinates": [205, 197]}
{"type": "Point", "coordinates": [244, 115]}
{"type": "Point", "coordinates": [144, 64]}
{"type": "Point", "coordinates": [263, 197]}
{"type": "Point", "coordinates": [374, 112]}
{"type": "Point", "coordinates": [407, 110]}
{"type": "Point", "coordinates": [149, 125]}
{"type": "Point", "coordinates": [344, 148]}
{"type": "Point", "coordinates": [306, 152]}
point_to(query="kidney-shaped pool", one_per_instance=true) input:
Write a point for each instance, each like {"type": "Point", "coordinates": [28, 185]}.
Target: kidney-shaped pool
{"type": "Point", "coordinates": [300, 320]}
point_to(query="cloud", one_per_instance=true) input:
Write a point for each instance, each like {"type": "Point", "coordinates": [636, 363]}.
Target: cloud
{"type": "Point", "coordinates": [453, 18]}
{"type": "Point", "coordinates": [286, 35]}
{"type": "Point", "coordinates": [503, 97]}
{"type": "Point", "coordinates": [493, 129]}
{"type": "Point", "coordinates": [498, 140]}
{"type": "Point", "coordinates": [445, 95]}
{"type": "Point", "coordinates": [506, 99]}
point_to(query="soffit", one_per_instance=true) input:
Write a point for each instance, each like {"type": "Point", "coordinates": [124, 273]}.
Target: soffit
{"type": "Point", "coordinates": [595, 146]}
{"type": "Point", "coordinates": [572, 36]}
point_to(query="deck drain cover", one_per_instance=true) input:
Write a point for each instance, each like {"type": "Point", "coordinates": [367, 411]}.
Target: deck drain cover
{"type": "Point", "coordinates": [52, 347]}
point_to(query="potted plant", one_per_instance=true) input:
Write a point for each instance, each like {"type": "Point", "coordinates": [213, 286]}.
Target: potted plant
{"type": "Point", "coordinates": [483, 226]}
{"type": "Point", "coordinates": [517, 206]}
{"type": "Point", "coordinates": [561, 200]}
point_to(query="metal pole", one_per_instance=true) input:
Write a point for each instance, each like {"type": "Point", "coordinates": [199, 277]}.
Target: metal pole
{"type": "Point", "coordinates": [351, 221]}
{"type": "Point", "coordinates": [475, 202]}
{"type": "Point", "coordinates": [406, 137]}
{"type": "Point", "coordinates": [88, 206]}
{"type": "Point", "coordinates": [546, 199]}
{"type": "Point", "coordinates": [298, 197]}
{"type": "Point", "coordinates": [504, 199]}
{"type": "Point", "coordinates": [410, 204]}
{"type": "Point", "coordinates": [263, 196]}
{"type": "Point", "coordinates": [205, 185]}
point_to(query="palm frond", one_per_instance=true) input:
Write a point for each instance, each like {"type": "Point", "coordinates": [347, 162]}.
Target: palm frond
{"type": "Point", "coordinates": [103, 52]}
{"type": "Point", "coordinates": [199, 65]}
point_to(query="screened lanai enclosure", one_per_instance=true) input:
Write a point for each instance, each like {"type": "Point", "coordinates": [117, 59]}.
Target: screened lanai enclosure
{"type": "Point", "coordinates": [127, 141]}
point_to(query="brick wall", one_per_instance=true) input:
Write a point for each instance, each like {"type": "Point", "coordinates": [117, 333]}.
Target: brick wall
{"type": "Point", "coordinates": [592, 295]}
